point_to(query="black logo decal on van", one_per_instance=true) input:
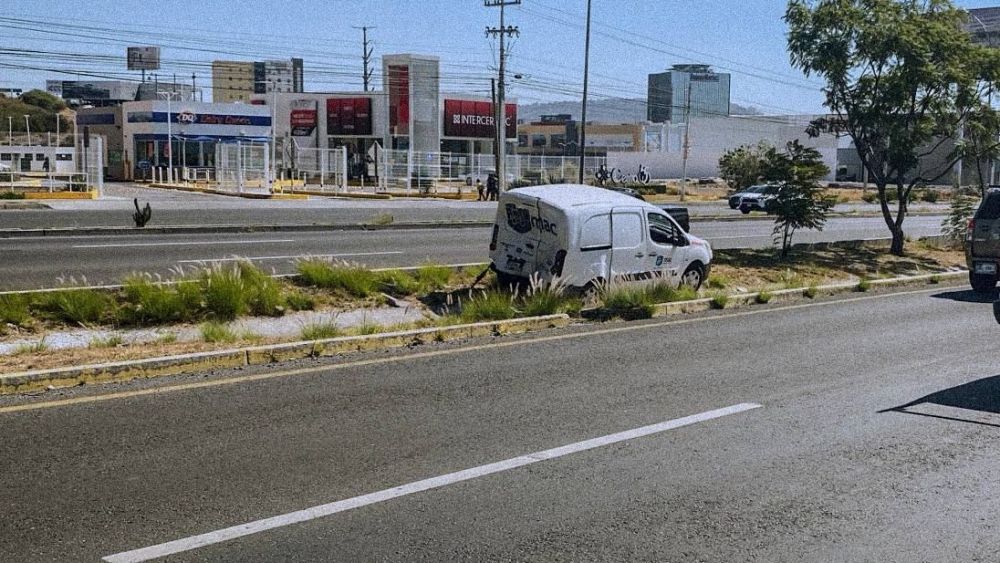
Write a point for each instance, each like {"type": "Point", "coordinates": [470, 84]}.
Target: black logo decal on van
{"type": "Point", "coordinates": [518, 219]}
{"type": "Point", "coordinates": [521, 221]}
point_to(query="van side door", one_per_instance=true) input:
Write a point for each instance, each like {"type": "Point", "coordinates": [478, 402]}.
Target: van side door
{"type": "Point", "coordinates": [665, 253]}
{"type": "Point", "coordinates": [628, 242]}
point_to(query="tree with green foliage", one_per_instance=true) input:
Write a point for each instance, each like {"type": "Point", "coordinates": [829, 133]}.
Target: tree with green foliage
{"type": "Point", "coordinates": [744, 166]}
{"type": "Point", "coordinates": [799, 201]}
{"type": "Point", "coordinates": [41, 108]}
{"type": "Point", "coordinates": [44, 100]}
{"type": "Point", "coordinates": [902, 79]}
{"type": "Point", "coordinates": [956, 224]}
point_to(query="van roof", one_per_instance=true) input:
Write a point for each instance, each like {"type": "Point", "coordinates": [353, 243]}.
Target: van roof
{"type": "Point", "coordinates": [575, 195]}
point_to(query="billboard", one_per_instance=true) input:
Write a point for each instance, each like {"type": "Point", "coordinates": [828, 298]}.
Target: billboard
{"type": "Point", "coordinates": [349, 117]}
{"type": "Point", "coordinates": [143, 58]}
{"type": "Point", "coordinates": [474, 119]}
{"type": "Point", "coordinates": [399, 99]}
{"type": "Point", "coordinates": [303, 118]}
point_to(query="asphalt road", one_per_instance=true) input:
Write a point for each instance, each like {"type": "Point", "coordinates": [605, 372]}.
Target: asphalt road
{"type": "Point", "coordinates": [49, 261]}
{"type": "Point", "coordinates": [874, 440]}
{"type": "Point", "coordinates": [183, 208]}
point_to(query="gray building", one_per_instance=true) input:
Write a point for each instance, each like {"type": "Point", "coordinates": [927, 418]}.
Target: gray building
{"type": "Point", "coordinates": [672, 92]}
{"type": "Point", "coordinates": [106, 93]}
{"type": "Point", "coordinates": [984, 26]}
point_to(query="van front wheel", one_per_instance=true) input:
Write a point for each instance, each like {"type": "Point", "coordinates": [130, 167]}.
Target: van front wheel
{"type": "Point", "coordinates": [693, 276]}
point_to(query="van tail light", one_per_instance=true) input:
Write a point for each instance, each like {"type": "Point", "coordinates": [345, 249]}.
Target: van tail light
{"type": "Point", "coordinates": [493, 241]}
{"type": "Point", "coordinates": [558, 263]}
{"type": "Point", "coordinates": [972, 227]}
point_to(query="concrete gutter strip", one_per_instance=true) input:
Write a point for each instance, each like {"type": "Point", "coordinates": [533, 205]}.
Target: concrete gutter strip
{"type": "Point", "coordinates": [744, 299]}
{"type": "Point", "coordinates": [260, 355]}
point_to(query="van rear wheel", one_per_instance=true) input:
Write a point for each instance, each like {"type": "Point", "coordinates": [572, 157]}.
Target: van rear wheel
{"type": "Point", "coordinates": [693, 276]}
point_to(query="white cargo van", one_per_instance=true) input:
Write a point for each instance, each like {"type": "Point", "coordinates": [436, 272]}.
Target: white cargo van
{"type": "Point", "coordinates": [587, 235]}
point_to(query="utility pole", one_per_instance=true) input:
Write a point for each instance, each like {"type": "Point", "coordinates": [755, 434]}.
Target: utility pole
{"type": "Point", "coordinates": [366, 55]}
{"type": "Point", "coordinates": [496, 130]}
{"type": "Point", "coordinates": [687, 139]}
{"type": "Point", "coordinates": [583, 118]}
{"type": "Point", "coordinates": [499, 108]}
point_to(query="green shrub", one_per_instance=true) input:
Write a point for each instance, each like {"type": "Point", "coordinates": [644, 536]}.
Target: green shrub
{"type": "Point", "coordinates": [367, 329]}
{"type": "Point", "coordinates": [14, 309]}
{"type": "Point", "coordinates": [685, 293]}
{"type": "Point", "coordinates": [263, 293]}
{"type": "Point", "coordinates": [382, 219]}
{"type": "Point", "coordinates": [79, 306]}
{"type": "Point", "coordinates": [434, 277]}
{"type": "Point", "coordinates": [112, 341]}
{"type": "Point", "coordinates": [299, 301]}
{"type": "Point", "coordinates": [353, 280]}
{"type": "Point", "coordinates": [870, 197]}
{"type": "Point", "coordinates": [930, 196]}
{"type": "Point", "coordinates": [398, 282]}
{"type": "Point", "coordinates": [626, 301]}
{"type": "Point", "coordinates": [150, 303]}
{"type": "Point", "coordinates": [549, 298]}
{"type": "Point", "coordinates": [215, 332]}
{"type": "Point", "coordinates": [811, 292]}
{"type": "Point", "coordinates": [33, 348]}
{"type": "Point", "coordinates": [934, 280]}
{"type": "Point", "coordinates": [321, 331]}
{"type": "Point", "coordinates": [224, 293]}
{"type": "Point", "coordinates": [764, 297]}
{"type": "Point", "coordinates": [720, 301]}
{"type": "Point", "coordinates": [717, 282]}
{"type": "Point", "coordinates": [167, 338]}
{"type": "Point", "coordinates": [488, 306]}
{"type": "Point", "coordinates": [11, 195]}
{"type": "Point", "coordinates": [863, 285]}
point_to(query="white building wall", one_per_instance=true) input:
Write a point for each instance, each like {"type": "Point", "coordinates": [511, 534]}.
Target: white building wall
{"type": "Point", "coordinates": [711, 137]}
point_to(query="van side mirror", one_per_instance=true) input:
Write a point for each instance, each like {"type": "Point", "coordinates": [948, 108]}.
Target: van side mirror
{"type": "Point", "coordinates": [681, 240]}
{"type": "Point", "coordinates": [996, 310]}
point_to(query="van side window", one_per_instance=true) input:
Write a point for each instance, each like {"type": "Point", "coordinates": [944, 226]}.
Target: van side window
{"type": "Point", "coordinates": [595, 234]}
{"type": "Point", "coordinates": [661, 230]}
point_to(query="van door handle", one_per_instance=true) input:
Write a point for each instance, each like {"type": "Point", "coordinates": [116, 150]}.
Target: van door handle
{"type": "Point", "coordinates": [639, 254]}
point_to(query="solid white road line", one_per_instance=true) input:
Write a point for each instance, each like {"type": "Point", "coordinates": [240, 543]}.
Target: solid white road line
{"type": "Point", "coordinates": [189, 243]}
{"type": "Point", "coordinates": [234, 532]}
{"type": "Point", "coordinates": [345, 255]}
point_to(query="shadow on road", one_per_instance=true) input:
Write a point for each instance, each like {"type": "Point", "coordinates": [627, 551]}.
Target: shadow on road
{"type": "Point", "coordinates": [981, 395]}
{"type": "Point", "coordinates": [968, 296]}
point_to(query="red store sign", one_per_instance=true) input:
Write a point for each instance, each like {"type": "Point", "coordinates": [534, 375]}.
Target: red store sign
{"type": "Point", "coordinates": [467, 118]}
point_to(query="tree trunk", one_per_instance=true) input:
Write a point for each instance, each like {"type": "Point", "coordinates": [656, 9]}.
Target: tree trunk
{"type": "Point", "coordinates": [898, 239]}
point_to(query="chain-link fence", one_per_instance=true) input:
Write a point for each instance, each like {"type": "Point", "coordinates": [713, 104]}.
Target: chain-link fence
{"type": "Point", "coordinates": [414, 170]}
{"type": "Point", "coordinates": [320, 169]}
{"type": "Point", "coordinates": [242, 167]}
{"type": "Point", "coordinates": [61, 167]}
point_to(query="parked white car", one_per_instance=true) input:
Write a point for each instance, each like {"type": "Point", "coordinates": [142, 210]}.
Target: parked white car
{"type": "Point", "coordinates": [586, 235]}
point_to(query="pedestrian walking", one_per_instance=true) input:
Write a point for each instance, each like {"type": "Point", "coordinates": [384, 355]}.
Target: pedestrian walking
{"type": "Point", "coordinates": [481, 190]}
{"type": "Point", "coordinates": [492, 187]}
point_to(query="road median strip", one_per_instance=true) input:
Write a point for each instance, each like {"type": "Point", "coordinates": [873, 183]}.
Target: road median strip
{"type": "Point", "coordinates": [261, 355]}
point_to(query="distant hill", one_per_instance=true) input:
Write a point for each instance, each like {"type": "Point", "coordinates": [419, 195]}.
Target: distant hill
{"type": "Point", "coordinates": [607, 110]}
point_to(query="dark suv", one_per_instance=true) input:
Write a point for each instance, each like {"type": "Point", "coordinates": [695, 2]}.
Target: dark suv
{"type": "Point", "coordinates": [982, 243]}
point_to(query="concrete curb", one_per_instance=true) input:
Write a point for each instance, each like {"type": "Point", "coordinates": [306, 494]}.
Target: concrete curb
{"type": "Point", "coordinates": [216, 229]}
{"type": "Point", "coordinates": [261, 355]}
{"type": "Point", "coordinates": [784, 295]}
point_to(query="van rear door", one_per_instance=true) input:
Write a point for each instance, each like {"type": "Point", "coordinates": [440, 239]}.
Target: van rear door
{"type": "Point", "coordinates": [986, 232]}
{"type": "Point", "coordinates": [517, 240]}
{"type": "Point", "coordinates": [628, 241]}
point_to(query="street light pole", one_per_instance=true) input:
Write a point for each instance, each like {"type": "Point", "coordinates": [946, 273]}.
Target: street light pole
{"type": "Point", "coordinates": [10, 130]}
{"type": "Point", "coordinates": [273, 172]}
{"type": "Point", "coordinates": [170, 138]}
{"type": "Point", "coordinates": [583, 117]}
{"type": "Point", "coordinates": [27, 126]}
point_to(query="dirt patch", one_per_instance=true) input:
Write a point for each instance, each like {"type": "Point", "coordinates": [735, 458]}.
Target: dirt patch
{"type": "Point", "coordinates": [765, 269]}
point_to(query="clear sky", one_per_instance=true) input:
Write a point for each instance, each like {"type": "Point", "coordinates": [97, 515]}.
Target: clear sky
{"type": "Point", "coordinates": [630, 38]}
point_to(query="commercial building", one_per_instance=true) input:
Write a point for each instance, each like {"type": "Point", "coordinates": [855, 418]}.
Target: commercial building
{"type": "Point", "coordinates": [556, 135]}
{"type": "Point", "coordinates": [683, 90]}
{"type": "Point", "coordinates": [411, 114]}
{"type": "Point", "coordinates": [238, 81]}
{"type": "Point", "coordinates": [11, 92]}
{"type": "Point", "coordinates": [984, 26]}
{"type": "Point", "coordinates": [136, 133]}
{"type": "Point", "coordinates": [105, 93]}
